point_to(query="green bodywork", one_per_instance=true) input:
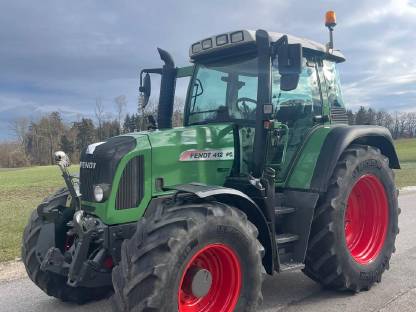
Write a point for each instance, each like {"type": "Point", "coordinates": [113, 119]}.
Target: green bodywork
{"type": "Point", "coordinates": [163, 149]}
{"type": "Point", "coordinates": [303, 168]}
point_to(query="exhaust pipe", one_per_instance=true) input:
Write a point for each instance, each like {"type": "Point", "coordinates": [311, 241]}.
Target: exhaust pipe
{"type": "Point", "coordinates": [167, 91]}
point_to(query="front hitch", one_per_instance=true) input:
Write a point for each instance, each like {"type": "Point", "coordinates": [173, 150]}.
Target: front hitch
{"type": "Point", "coordinates": [79, 264]}
{"type": "Point", "coordinates": [88, 229]}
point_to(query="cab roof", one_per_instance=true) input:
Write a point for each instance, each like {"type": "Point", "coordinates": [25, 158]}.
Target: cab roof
{"type": "Point", "coordinates": [244, 38]}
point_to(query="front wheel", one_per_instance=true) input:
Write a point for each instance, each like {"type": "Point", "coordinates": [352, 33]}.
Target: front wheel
{"type": "Point", "coordinates": [194, 258]}
{"type": "Point", "coordinates": [356, 223]}
{"type": "Point", "coordinates": [53, 284]}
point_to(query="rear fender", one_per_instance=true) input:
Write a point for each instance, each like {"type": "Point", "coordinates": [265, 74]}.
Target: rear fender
{"type": "Point", "coordinates": [339, 139]}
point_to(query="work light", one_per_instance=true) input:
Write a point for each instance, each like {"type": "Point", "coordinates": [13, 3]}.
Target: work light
{"type": "Point", "coordinates": [207, 44]}
{"type": "Point", "coordinates": [221, 40]}
{"type": "Point", "coordinates": [237, 37]}
{"type": "Point", "coordinates": [196, 47]}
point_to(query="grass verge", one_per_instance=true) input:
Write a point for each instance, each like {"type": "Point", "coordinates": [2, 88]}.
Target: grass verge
{"type": "Point", "coordinates": [406, 176]}
{"type": "Point", "coordinates": [20, 192]}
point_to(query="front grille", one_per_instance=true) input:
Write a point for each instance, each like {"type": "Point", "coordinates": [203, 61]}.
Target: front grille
{"type": "Point", "coordinates": [99, 165]}
{"type": "Point", "coordinates": [131, 187]}
{"type": "Point", "coordinates": [339, 115]}
{"type": "Point", "coordinates": [90, 177]}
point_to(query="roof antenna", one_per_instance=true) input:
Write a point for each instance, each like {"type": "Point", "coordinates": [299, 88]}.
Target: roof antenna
{"type": "Point", "coordinates": [330, 22]}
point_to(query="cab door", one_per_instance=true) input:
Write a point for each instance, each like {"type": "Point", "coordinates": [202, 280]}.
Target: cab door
{"type": "Point", "coordinates": [294, 113]}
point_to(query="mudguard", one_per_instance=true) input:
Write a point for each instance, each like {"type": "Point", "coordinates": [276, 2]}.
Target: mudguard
{"type": "Point", "coordinates": [243, 202]}
{"type": "Point", "coordinates": [52, 205]}
{"type": "Point", "coordinates": [50, 210]}
{"type": "Point", "coordinates": [339, 139]}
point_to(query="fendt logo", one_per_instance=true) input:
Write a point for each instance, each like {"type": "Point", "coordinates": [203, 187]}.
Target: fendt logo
{"type": "Point", "coordinates": [87, 165]}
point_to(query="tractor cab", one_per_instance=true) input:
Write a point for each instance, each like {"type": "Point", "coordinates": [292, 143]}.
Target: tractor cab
{"type": "Point", "coordinates": [261, 82]}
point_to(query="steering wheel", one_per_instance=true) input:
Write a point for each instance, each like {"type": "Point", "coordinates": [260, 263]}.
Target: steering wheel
{"type": "Point", "coordinates": [243, 108]}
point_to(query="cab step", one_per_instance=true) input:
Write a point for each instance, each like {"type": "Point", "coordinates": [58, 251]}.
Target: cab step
{"type": "Point", "coordinates": [281, 210]}
{"type": "Point", "coordinates": [291, 266]}
{"type": "Point", "coordinates": [286, 238]}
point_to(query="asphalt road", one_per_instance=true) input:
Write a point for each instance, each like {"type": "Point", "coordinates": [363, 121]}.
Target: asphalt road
{"type": "Point", "coordinates": [285, 292]}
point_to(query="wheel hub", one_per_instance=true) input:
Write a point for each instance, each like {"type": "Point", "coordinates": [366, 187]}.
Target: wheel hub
{"type": "Point", "coordinates": [201, 281]}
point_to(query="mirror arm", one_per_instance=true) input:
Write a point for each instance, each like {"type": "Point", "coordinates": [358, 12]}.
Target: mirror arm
{"type": "Point", "coordinates": [275, 46]}
{"type": "Point", "coordinates": [149, 71]}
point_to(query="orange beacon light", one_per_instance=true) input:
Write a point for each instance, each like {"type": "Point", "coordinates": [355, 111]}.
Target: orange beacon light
{"type": "Point", "coordinates": [330, 19]}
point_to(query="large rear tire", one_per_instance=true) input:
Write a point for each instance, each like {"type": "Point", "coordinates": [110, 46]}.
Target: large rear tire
{"type": "Point", "coordinates": [53, 284]}
{"type": "Point", "coordinates": [355, 224]}
{"type": "Point", "coordinates": [190, 258]}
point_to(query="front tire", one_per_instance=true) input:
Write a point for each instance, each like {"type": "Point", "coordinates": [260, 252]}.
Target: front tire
{"type": "Point", "coordinates": [190, 258]}
{"type": "Point", "coordinates": [53, 284]}
{"type": "Point", "coordinates": [355, 224]}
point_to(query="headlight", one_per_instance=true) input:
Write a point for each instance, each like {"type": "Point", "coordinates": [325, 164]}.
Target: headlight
{"type": "Point", "coordinates": [101, 192]}
{"type": "Point", "coordinates": [98, 193]}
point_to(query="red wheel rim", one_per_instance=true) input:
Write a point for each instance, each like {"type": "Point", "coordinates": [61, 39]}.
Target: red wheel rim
{"type": "Point", "coordinates": [224, 266]}
{"type": "Point", "coordinates": [366, 219]}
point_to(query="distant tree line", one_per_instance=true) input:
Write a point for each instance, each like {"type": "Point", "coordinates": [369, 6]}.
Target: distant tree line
{"type": "Point", "coordinates": [400, 124]}
{"type": "Point", "coordinates": [37, 140]}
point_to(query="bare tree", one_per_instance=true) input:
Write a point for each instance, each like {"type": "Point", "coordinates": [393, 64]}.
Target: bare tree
{"type": "Point", "coordinates": [99, 115]}
{"type": "Point", "coordinates": [19, 127]}
{"type": "Point", "coordinates": [411, 124]}
{"type": "Point", "coordinates": [402, 124]}
{"type": "Point", "coordinates": [11, 155]}
{"type": "Point", "coordinates": [146, 112]}
{"type": "Point", "coordinates": [121, 102]}
{"type": "Point", "coordinates": [396, 126]}
{"type": "Point", "coordinates": [178, 108]}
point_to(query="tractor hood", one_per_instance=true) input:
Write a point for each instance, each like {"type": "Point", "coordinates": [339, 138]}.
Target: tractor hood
{"type": "Point", "coordinates": [203, 153]}
{"type": "Point", "coordinates": [137, 166]}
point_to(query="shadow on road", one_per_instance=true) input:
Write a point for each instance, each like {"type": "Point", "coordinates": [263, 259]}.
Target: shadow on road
{"type": "Point", "coordinates": [282, 292]}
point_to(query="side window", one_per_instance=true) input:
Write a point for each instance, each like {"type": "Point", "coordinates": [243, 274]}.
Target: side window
{"type": "Point", "coordinates": [246, 102]}
{"type": "Point", "coordinates": [301, 103]}
{"type": "Point", "coordinates": [333, 85]}
{"type": "Point", "coordinates": [295, 109]}
{"type": "Point", "coordinates": [208, 93]}
{"type": "Point", "coordinates": [247, 87]}
{"type": "Point", "coordinates": [181, 89]}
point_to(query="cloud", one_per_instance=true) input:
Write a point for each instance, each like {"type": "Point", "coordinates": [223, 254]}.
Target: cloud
{"type": "Point", "coordinates": [65, 54]}
{"type": "Point", "coordinates": [375, 12]}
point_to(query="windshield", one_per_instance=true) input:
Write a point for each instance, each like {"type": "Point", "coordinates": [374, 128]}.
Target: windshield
{"type": "Point", "coordinates": [223, 92]}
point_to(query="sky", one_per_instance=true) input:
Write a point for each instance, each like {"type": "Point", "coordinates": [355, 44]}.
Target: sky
{"type": "Point", "coordinates": [61, 56]}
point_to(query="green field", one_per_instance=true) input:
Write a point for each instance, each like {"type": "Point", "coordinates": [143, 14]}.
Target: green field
{"type": "Point", "coordinates": [406, 148]}
{"type": "Point", "coordinates": [21, 190]}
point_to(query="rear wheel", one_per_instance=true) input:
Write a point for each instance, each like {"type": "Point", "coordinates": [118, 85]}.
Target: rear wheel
{"type": "Point", "coordinates": [356, 223]}
{"type": "Point", "coordinates": [192, 258]}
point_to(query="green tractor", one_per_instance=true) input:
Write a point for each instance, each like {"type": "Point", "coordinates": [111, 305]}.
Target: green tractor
{"type": "Point", "coordinates": [264, 176]}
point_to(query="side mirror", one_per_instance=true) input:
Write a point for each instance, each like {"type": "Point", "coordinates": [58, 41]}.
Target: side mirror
{"type": "Point", "coordinates": [290, 65]}
{"type": "Point", "coordinates": [146, 89]}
